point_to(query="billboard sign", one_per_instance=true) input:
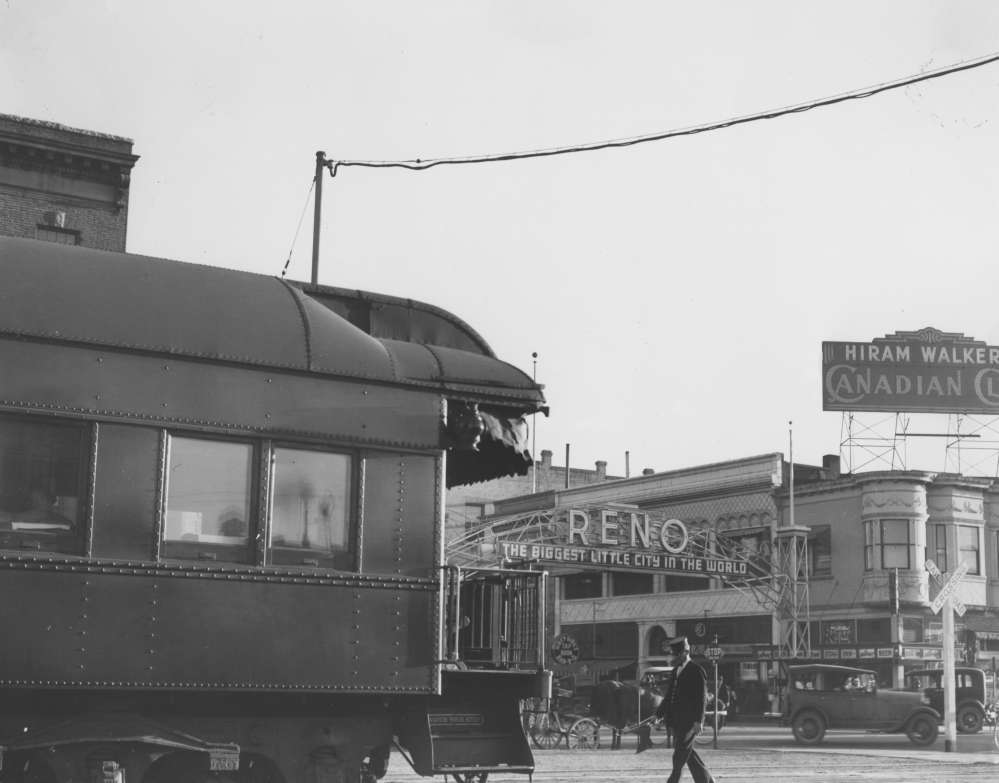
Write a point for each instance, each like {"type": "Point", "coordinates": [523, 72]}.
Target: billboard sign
{"type": "Point", "coordinates": [926, 371]}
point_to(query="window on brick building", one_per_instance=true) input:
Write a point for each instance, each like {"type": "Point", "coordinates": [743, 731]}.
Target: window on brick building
{"type": "Point", "coordinates": [678, 583]}
{"type": "Point", "coordinates": [968, 547]}
{"type": "Point", "coordinates": [588, 584]}
{"type": "Point", "coordinates": [820, 551]}
{"type": "Point", "coordinates": [886, 544]}
{"type": "Point", "coordinates": [936, 545]}
{"type": "Point", "coordinates": [912, 630]}
{"type": "Point", "coordinates": [61, 236]}
{"type": "Point", "coordinates": [630, 583]}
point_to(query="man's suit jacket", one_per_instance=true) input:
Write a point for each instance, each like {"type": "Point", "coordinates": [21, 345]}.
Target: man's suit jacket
{"type": "Point", "coordinates": [684, 703]}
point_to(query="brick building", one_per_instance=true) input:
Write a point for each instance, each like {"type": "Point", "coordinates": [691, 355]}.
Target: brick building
{"type": "Point", "coordinates": [63, 184]}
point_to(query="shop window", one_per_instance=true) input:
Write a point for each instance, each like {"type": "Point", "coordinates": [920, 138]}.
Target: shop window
{"type": "Point", "coordinates": [630, 583]}
{"type": "Point", "coordinates": [584, 636]}
{"type": "Point", "coordinates": [605, 640]}
{"type": "Point", "coordinates": [616, 640]}
{"type": "Point", "coordinates": [968, 546]}
{"type": "Point", "coordinates": [61, 236]}
{"type": "Point", "coordinates": [886, 544]}
{"type": "Point", "coordinates": [875, 630]}
{"type": "Point", "coordinates": [677, 583]}
{"type": "Point", "coordinates": [208, 500]}
{"type": "Point", "coordinates": [839, 632]}
{"type": "Point", "coordinates": [936, 545]}
{"type": "Point", "coordinates": [912, 630]}
{"type": "Point", "coordinates": [310, 523]}
{"type": "Point", "coordinates": [747, 629]}
{"type": "Point", "coordinates": [820, 551]}
{"type": "Point", "coordinates": [587, 584]}
{"type": "Point", "coordinates": [42, 485]}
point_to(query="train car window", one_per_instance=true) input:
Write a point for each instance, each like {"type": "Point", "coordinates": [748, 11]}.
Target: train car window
{"type": "Point", "coordinates": [208, 502]}
{"type": "Point", "coordinates": [310, 522]}
{"type": "Point", "coordinates": [42, 485]}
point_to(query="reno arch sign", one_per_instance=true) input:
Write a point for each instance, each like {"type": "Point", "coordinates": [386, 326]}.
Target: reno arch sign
{"type": "Point", "coordinates": [927, 371]}
{"type": "Point", "coordinates": [630, 540]}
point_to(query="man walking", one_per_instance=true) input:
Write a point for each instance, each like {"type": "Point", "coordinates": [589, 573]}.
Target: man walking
{"type": "Point", "coordinates": [683, 711]}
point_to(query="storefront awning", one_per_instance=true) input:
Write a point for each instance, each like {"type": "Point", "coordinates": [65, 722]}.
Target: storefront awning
{"type": "Point", "coordinates": [984, 626]}
{"type": "Point", "coordinates": [600, 667]}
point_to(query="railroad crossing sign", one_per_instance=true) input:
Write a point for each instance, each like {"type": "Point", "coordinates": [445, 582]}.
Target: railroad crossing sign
{"type": "Point", "coordinates": [948, 588]}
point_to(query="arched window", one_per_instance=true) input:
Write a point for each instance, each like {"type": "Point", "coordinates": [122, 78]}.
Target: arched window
{"type": "Point", "coordinates": [658, 639]}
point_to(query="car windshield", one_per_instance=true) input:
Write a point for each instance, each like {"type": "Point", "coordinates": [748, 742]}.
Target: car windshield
{"type": "Point", "coordinates": [833, 680]}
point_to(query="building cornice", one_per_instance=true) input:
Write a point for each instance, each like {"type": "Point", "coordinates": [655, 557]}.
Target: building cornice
{"type": "Point", "coordinates": [759, 473]}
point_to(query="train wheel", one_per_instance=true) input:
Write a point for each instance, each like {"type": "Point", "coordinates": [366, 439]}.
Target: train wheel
{"type": "Point", "coordinates": [257, 769]}
{"type": "Point", "coordinates": [470, 777]}
{"type": "Point", "coordinates": [376, 764]}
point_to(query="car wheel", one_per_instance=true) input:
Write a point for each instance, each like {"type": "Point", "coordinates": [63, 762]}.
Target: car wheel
{"type": "Point", "coordinates": [809, 727]}
{"type": "Point", "coordinates": [922, 730]}
{"type": "Point", "coordinates": [970, 719]}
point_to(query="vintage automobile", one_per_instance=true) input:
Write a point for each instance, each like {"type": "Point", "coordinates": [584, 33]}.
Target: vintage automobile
{"type": "Point", "coordinates": [822, 696]}
{"type": "Point", "coordinates": [969, 694]}
{"type": "Point", "coordinates": [657, 678]}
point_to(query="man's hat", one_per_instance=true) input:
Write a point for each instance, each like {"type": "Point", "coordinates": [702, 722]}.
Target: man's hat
{"type": "Point", "coordinates": [678, 645]}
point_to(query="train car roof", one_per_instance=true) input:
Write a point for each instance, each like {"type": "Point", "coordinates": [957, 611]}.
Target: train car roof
{"type": "Point", "coordinates": [134, 302]}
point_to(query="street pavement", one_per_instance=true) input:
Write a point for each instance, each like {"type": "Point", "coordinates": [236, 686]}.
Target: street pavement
{"type": "Point", "coordinates": [758, 753]}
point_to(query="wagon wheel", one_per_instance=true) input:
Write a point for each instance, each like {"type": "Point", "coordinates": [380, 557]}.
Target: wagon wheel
{"type": "Point", "coordinates": [470, 777]}
{"type": "Point", "coordinates": [544, 735]}
{"type": "Point", "coordinates": [584, 734]}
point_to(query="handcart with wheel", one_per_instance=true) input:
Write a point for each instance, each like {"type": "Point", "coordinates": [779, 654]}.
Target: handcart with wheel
{"type": "Point", "coordinates": [549, 726]}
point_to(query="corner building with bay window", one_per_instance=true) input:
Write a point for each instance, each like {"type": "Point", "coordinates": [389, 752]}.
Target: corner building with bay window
{"type": "Point", "coordinates": [865, 533]}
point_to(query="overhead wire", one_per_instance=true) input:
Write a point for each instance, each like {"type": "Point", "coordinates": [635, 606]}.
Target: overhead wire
{"type": "Point", "coordinates": [419, 164]}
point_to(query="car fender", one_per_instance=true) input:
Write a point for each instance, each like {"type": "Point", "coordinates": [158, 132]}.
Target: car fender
{"type": "Point", "coordinates": [808, 708]}
{"type": "Point", "coordinates": [919, 711]}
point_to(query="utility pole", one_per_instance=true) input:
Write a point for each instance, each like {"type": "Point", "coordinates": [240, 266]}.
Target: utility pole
{"type": "Point", "coordinates": [317, 215]}
{"type": "Point", "coordinates": [534, 433]}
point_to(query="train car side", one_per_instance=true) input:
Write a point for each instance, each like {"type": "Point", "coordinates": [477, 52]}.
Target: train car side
{"type": "Point", "coordinates": [221, 532]}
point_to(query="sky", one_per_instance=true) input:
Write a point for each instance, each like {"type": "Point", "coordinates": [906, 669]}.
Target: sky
{"type": "Point", "coordinates": [676, 293]}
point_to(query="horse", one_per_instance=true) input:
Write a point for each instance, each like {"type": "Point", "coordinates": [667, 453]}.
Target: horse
{"type": "Point", "coordinates": [617, 705]}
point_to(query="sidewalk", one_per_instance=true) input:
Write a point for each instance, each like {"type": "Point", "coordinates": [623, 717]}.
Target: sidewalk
{"type": "Point", "coordinates": [770, 736]}
{"type": "Point", "coordinates": [954, 757]}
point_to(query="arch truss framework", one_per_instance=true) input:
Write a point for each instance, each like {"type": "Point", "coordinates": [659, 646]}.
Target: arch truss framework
{"type": "Point", "coordinates": [776, 578]}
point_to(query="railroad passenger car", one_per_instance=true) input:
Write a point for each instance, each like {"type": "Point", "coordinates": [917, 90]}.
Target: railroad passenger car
{"type": "Point", "coordinates": [222, 530]}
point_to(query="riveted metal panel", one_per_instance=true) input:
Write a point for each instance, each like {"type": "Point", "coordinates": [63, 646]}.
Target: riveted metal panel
{"type": "Point", "coordinates": [144, 388]}
{"type": "Point", "coordinates": [126, 492]}
{"type": "Point", "coordinates": [401, 514]}
{"type": "Point", "coordinates": [211, 628]}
